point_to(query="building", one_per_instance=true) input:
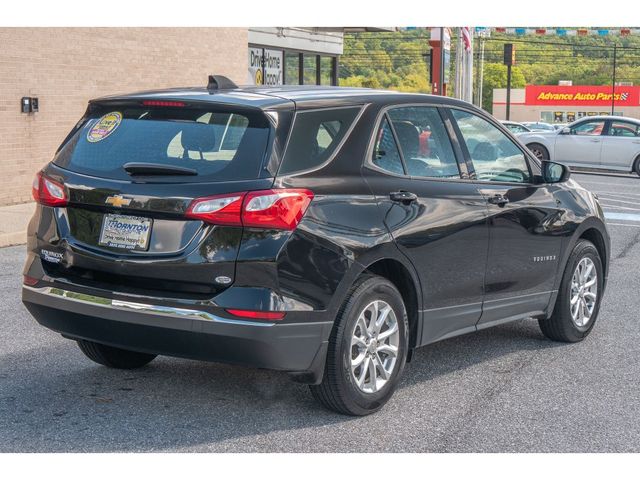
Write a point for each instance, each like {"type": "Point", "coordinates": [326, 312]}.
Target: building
{"type": "Point", "coordinates": [47, 75]}
{"type": "Point", "coordinates": [565, 103]}
{"type": "Point", "coordinates": [294, 56]}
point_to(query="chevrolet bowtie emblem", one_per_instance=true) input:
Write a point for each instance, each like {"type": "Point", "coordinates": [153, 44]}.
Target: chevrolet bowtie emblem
{"type": "Point", "coordinates": [118, 201]}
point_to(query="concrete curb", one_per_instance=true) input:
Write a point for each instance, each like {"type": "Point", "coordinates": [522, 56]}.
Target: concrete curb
{"type": "Point", "coordinates": [13, 238]}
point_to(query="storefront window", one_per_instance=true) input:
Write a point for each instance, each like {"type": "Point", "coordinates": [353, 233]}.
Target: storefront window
{"type": "Point", "coordinates": [310, 69]}
{"type": "Point", "coordinates": [326, 70]}
{"type": "Point", "coordinates": [292, 68]}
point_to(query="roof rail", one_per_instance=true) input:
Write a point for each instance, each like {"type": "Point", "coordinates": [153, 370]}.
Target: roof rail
{"type": "Point", "coordinates": [220, 82]}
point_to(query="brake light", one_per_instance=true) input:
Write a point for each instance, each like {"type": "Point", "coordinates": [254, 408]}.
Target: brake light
{"type": "Point", "coordinates": [277, 209]}
{"type": "Point", "coordinates": [48, 192]}
{"type": "Point", "coordinates": [162, 103]}
{"type": "Point", "coordinates": [255, 314]}
{"type": "Point", "coordinates": [280, 209]}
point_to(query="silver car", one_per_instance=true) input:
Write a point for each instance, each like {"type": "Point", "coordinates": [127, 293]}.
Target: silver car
{"type": "Point", "coordinates": [600, 142]}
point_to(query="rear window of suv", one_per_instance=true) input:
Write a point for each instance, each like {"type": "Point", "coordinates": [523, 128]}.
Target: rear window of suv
{"type": "Point", "coordinates": [219, 144]}
{"type": "Point", "coordinates": [315, 136]}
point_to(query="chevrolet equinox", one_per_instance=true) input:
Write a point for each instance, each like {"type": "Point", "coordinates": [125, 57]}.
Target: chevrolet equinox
{"type": "Point", "coordinates": [322, 231]}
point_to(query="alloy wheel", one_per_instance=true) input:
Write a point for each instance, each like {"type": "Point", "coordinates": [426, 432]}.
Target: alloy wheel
{"type": "Point", "coordinates": [584, 292]}
{"type": "Point", "coordinates": [374, 346]}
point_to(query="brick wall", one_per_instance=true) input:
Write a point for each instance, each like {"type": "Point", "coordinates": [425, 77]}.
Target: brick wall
{"type": "Point", "coordinates": [65, 67]}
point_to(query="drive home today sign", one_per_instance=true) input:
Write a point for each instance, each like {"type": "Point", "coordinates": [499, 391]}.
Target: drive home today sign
{"type": "Point", "coordinates": [265, 66]}
{"type": "Point", "coordinates": [581, 95]}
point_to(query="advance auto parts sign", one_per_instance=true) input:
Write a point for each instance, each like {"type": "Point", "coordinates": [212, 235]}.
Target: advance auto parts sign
{"type": "Point", "coordinates": [584, 95]}
{"type": "Point", "coordinates": [268, 72]}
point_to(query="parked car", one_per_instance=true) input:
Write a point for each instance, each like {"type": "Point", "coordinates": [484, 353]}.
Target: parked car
{"type": "Point", "coordinates": [599, 142]}
{"type": "Point", "coordinates": [539, 126]}
{"type": "Point", "coordinates": [304, 229]}
{"type": "Point", "coordinates": [559, 126]}
{"type": "Point", "coordinates": [515, 127]}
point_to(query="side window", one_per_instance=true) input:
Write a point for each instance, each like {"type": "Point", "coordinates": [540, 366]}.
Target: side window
{"type": "Point", "coordinates": [315, 136]}
{"type": "Point", "coordinates": [592, 128]}
{"type": "Point", "coordinates": [424, 142]}
{"type": "Point", "coordinates": [385, 151]}
{"type": "Point", "coordinates": [494, 156]}
{"type": "Point", "coordinates": [624, 129]}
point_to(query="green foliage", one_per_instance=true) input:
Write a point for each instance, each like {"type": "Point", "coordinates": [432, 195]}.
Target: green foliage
{"type": "Point", "coordinates": [391, 61]}
{"type": "Point", "coordinates": [495, 76]}
{"type": "Point", "coordinates": [399, 61]}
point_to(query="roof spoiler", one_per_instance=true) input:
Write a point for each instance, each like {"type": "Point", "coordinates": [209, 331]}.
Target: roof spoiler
{"type": "Point", "coordinates": [220, 82]}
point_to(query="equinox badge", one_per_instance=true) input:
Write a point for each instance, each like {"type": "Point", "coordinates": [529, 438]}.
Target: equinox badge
{"type": "Point", "coordinates": [118, 201]}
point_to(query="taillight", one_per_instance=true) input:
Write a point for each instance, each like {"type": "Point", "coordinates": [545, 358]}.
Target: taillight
{"type": "Point", "coordinates": [48, 192]}
{"type": "Point", "coordinates": [277, 209]}
{"type": "Point", "coordinates": [219, 209]}
{"type": "Point", "coordinates": [280, 209]}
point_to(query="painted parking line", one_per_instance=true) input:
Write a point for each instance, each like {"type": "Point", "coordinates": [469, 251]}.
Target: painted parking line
{"type": "Point", "coordinates": [619, 207]}
{"type": "Point", "coordinates": [632, 217]}
{"type": "Point", "coordinates": [633, 225]}
{"type": "Point", "coordinates": [618, 194]}
{"type": "Point", "coordinates": [618, 200]}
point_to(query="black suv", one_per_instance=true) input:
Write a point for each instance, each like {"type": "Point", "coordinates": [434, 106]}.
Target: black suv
{"type": "Point", "coordinates": [326, 232]}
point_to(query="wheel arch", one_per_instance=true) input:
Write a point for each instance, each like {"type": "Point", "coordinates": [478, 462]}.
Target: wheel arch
{"type": "Point", "coordinates": [594, 230]}
{"type": "Point", "coordinates": [408, 285]}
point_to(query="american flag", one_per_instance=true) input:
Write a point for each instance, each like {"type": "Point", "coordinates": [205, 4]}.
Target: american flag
{"type": "Point", "coordinates": [466, 38]}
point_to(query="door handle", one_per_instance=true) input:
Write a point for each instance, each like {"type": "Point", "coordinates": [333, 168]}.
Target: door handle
{"type": "Point", "coordinates": [595, 140]}
{"type": "Point", "coordinates": [403, 197]}
{"type": "Point", "coordinates": [498, 199]}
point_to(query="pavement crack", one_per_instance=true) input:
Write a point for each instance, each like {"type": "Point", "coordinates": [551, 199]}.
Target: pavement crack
{"type": "Point", "coordinates": [627, 248]}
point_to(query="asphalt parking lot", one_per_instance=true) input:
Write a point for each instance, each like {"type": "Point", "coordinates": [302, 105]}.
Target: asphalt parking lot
{"type": "Point", "coordinates": [504, 389]}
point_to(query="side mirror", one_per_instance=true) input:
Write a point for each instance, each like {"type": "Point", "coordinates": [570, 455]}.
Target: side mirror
{"type": "Point", "coordinates": [553, 172]}
{"type": "Point", "coordinates": [565, 131]}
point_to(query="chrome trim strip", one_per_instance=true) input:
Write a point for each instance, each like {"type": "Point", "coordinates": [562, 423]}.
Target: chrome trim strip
{"type": "Point", "coordinates": [141, 307]}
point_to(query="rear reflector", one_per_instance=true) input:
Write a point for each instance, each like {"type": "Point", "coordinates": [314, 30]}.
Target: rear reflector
{"type": "Point", "coordinates": [256, 315]}
{"type": "Point", "coordinates": [30, 281]}
{"type": "Point", "coordinates": [48, 192]}
{"type": "Point", "coordinates": [280, 209]}
{"type": "Point", "coordinates": [162, 103]}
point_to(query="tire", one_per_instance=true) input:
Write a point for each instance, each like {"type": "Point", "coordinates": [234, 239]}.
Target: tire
{"type": "Point", "coordinates": [561, 326]}
{"type": "Point", "coordinates": [540, 151]}
{"type": "Point", "coordinates": [339, 390]}
{"type": "Point", "coordinates": [636, 166]}
{"type": "Point", "coordinates": [114, 357]}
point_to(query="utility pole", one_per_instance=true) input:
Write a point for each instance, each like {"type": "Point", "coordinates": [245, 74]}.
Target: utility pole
{"type": "Point", "coordinates": [509, 57]}
{"type": "Point", "coordinates": [480, 73]}
{"type": "Point", "coordinates": [613, 79]}
{"type": "Point", "coordinates": [441, 79]}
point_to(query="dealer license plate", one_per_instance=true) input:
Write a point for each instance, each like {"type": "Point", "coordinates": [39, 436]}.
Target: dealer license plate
{"type": "Point", "coordinates": [127, 232]}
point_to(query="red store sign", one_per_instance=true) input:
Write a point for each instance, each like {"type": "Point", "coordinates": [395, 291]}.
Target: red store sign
{"type": "Point", "coordinates": [583, 95]}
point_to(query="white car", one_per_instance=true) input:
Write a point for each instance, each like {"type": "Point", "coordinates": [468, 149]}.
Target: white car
{"type": "Point", "coordinates": [600, 142]}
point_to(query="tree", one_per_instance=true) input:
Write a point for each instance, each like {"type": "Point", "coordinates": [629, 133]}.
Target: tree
{"type": "Point", "coordinates": [495, 76]}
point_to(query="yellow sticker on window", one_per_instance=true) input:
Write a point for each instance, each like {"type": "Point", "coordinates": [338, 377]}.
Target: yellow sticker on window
{"type": "Point", "coordinates": [104, 127]}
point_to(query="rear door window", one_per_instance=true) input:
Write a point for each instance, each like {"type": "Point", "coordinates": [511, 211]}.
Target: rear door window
{"type": "Point", "coordinates": [424, 142]}
{"type": "Point", "coordinates": [219, 144]}
{"type": "Point", "coordinates": [315, 136]}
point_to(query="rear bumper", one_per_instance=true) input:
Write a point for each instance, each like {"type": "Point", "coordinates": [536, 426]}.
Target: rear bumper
{"type": "Point", "coordinates": [298, 348]}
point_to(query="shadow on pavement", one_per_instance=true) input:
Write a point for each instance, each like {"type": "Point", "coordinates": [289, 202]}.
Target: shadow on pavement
{"type": "Point", "coordinates": [54, 399]}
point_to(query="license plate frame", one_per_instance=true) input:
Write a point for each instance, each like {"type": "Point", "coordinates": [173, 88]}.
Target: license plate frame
{"type": "Point", "coordinates": [125, 232]}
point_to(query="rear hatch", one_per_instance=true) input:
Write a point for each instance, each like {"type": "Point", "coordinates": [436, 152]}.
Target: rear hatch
{"type": "Point", "coordinates": [131, 170]}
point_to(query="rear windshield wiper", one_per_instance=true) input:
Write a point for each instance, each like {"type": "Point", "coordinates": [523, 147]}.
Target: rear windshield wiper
{"type": "Point", "coordinates": [134, 168]}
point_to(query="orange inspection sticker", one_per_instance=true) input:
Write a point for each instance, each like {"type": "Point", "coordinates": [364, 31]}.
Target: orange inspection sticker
{"type": "Point", "coordinates": [104, 127]}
